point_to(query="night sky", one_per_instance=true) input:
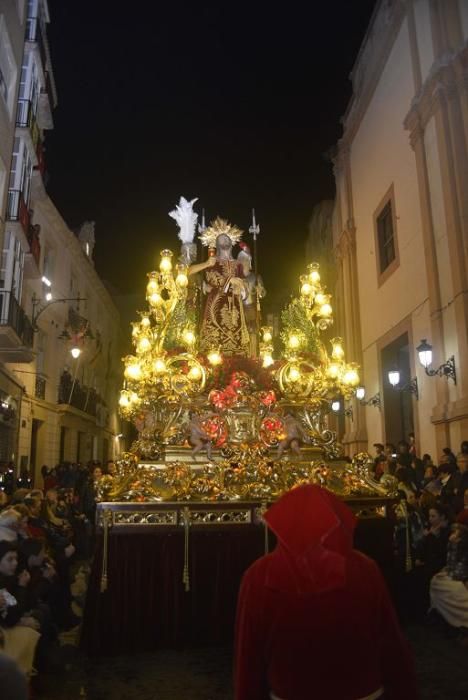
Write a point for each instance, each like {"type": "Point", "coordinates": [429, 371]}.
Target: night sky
{"type": "Point", "coordinates": [234, 103]}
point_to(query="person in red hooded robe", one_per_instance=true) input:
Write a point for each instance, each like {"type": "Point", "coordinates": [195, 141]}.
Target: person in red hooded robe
{"type": "Point", "coordinates": [314, 618]}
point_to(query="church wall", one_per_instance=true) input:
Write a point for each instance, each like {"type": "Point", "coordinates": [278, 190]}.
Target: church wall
{"type": "Point", "coordinates": [381, 158]}
{"type": "Point", "coordinates": [405, 133]}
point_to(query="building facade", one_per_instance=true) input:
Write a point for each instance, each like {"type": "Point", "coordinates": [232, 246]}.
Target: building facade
{"type": "Point", "coordinates": [53, 406]}
{"type": "Point", "coordinates": [400, 223]}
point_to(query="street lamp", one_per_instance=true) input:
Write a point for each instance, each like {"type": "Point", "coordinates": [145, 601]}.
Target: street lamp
{"type": "Point", "coordinates": [447, 369]}
{"type": "Point", "coordinates": [411, 386]}
{"type": "Point", "coordinates": [373, 401]}
{"type": "Point", "coordinates": [38, 307]}
{"type": "Point", "coordinates": [336, 408]}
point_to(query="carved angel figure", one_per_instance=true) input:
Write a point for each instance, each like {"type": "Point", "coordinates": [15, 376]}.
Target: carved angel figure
{"type": "Point", "coordinates": [294, 436]}
{"type": "Point", "coordinates": [198, 438]}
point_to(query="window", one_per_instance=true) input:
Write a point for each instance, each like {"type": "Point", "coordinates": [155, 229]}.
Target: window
{"type": "Point", "coordinates": [21, 169]}
{"type": "Point", "coordinates": [385, 237]}
{"type": "Point", "coordinates": [12, 264]}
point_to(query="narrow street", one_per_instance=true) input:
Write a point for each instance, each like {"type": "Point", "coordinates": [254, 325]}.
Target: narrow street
{"type": "Point", "coordinates": [205, 674]}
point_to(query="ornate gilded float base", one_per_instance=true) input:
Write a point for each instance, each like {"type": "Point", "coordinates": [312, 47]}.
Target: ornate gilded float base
{"type": "Point", "coordinates": [247, 473]}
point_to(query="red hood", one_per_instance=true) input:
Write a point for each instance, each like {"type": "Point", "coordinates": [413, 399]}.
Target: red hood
{"type": "Point", "coordinates": [315, 536]}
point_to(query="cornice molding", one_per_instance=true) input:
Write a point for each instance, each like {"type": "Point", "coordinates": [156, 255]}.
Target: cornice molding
{"type": "Point", "coordinates": [370, 63]}
{"type": "Point", "coordinates": [448, 78]}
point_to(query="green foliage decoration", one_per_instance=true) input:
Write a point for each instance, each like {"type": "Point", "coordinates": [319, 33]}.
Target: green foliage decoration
{"type": "Point", "coordinates": [294, 319]}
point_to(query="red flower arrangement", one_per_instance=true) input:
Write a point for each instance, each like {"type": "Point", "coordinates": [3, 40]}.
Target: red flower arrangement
{"type": "Point", "coordinates": [240, 386]}
{"type": "Point", "coordinates": [216, 428]}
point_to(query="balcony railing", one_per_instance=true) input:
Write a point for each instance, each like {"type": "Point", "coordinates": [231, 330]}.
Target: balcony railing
{"type": "Point", "coordinates": [25, 119]}
{"type": "Point", "coordinates": [40, 388]}
{"type": "Point", "coordinates": [17, 209]}
{"type": "Point", "coordinates": [11, 314]}
{"type": "Point", "coordinates": [79, 396]}
{"type": "Point", "coordinates": [34, 34]}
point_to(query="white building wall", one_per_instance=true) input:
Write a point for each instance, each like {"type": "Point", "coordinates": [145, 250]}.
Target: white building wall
{"type": "Point", "coordinates": [381, 156]}
{"type": "Point", "coordinates": [404, 129]}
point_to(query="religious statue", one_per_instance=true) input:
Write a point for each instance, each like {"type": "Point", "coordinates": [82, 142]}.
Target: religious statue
{"type": "Point", "coordinates": [294, 436]}
{"type": "Point", "coordinates": [255, 291]}
{"type": "Point", "coordinates": [223, 324]}
{"type": "Point", "coordinates": [198, 438]}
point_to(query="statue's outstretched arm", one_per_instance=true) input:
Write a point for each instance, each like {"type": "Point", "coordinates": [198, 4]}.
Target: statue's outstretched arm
{"type": "Point", "coordinates": [193, 269]}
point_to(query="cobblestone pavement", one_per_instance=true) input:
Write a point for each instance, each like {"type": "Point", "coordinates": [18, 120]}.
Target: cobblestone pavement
{"type": "Point", "coordinates": [205, 674]}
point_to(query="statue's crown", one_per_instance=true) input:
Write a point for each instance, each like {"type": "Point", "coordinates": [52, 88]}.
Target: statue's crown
{"type": "Point", "coordinates": [216, 228]}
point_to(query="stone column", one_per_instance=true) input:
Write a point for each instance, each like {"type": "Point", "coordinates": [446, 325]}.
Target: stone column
{"type": "Point", "coordinates": [444, 98]}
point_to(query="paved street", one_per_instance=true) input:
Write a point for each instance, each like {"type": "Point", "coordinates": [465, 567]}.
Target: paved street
{"type": "Point", "coordinates": [205, 674]}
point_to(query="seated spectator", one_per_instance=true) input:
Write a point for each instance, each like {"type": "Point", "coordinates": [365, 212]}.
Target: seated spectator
{"type": "Point", "coordinates": [22, 527]}
{"type": "Point", "coordinates": [432, 549]}
{"type": "Point", "coordinates": [430, 480]}
{"type": "Point", "coordinates": [10, 522]}
{"type": "Point", "coordinates": [20, 631]}
{"type": "Point", "coordinates": [315, 597]}
{"type": "Point", "coordinates": [449, 592]}
{"type": "Point", "coordinates": [430, 557]}
{"type": "Point", "coordinates": [37, 526]}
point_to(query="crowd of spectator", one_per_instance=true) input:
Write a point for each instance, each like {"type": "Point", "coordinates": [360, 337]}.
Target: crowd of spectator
{"type": "Point", "coordinates": [46, 539]}
{"type": "Point", "coordinates": [47, 535]}
{"type": "Point", "coordinates": [431, 532]}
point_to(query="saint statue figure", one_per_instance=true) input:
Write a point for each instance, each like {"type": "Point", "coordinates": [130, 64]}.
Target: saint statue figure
{"type": "Point", "coordinates": [223, 324]}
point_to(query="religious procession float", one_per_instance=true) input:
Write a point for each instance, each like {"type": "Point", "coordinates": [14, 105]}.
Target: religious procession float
{"type": "Point", "coordinates": [219, 417]}
{"type": "Point", "coordinates": [230, 414]}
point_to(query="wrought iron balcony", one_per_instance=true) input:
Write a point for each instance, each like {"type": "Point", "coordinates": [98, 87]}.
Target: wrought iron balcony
{"type": "Point", "coordinates": [25, 119]}
{"type": "Point", "coordinates": [34, 35]}
{"type": "Point", "coordinates": [82, 397]}
{"type": "Point", "coordinates": [17, 209]}
{"type": "Point", "coordinates": [40, 388]}
{"type": "Point", "coordinates": [16, 332]}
